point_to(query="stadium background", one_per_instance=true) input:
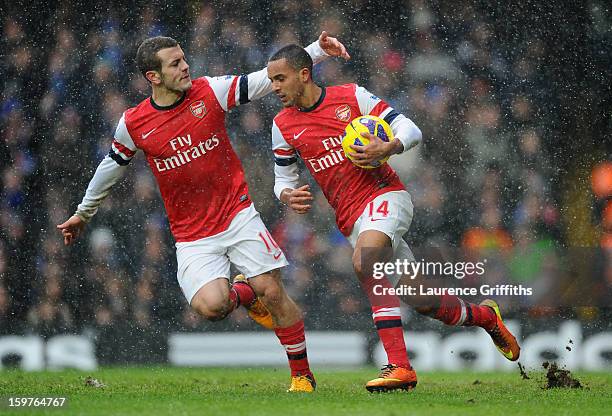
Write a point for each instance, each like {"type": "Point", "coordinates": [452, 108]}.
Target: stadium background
{"type": "Point", "coordinates": [513, 100]}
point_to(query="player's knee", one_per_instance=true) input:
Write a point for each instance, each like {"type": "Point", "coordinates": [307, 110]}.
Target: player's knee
{"type": "Point", "coordinates": [211, 312]}
{"type": "Point", "coordinates": [358, 265]}
{"type": "Point", "coordinates": [214, 314]}
{"type": "Point", "coordinates": [425, 310]}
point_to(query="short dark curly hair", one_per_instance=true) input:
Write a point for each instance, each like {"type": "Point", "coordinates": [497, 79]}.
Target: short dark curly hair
{"type": "Point", "coordinates": [146, 56]}
{"type": "Point", "coordinates": [296, 57]}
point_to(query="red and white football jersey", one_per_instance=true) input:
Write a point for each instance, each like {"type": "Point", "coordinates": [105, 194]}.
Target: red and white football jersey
{"type": "Point", "coordinates": [315, 134]}
{"type": "Point", "coordinates": [188, 149]}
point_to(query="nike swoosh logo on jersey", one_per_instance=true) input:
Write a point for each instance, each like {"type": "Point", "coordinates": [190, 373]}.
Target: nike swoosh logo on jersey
{"type": "Point", "coordinates": [297, 136]}
{"type": "Point", "coordinates": [276, 257]}
{"type": "Point", "coordinates": [144, 136]}
{"type": "Point", "coordinates": [377, 219]}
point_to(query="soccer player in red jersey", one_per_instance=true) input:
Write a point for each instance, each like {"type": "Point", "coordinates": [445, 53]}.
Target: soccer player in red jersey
{"type": "Point", "coordinates": [373, 209]}
{"type": "Point", "coordinates": [181, 130]}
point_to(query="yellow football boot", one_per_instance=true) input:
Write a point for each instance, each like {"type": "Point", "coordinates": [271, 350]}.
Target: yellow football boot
{"type": "Point", "coordinates": [302, 384]}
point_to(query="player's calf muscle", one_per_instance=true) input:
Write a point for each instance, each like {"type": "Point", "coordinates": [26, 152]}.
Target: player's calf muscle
{"type": "Point", "coordinates": [278, 302]}
{"type": "Point", "coordinates": [272, 295]}
{"type": "Point", "coordinates": [269, 288]}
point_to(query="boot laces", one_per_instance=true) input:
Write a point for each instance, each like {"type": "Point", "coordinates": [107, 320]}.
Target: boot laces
{"type": "Point", "coordinates": [387, 370]}
{"type": "Point", "coordinates": [499, 336]}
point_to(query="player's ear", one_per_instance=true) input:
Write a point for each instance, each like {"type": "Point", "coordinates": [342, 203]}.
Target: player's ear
{"type": "Point", "coordinates": [305, 74]}
{"type": "Point", "coordinates": [153, 77]}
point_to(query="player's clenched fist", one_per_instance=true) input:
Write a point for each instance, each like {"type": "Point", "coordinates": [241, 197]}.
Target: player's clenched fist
{"type": "Point", "coordinates": [298, 199]}
{"type": "Point", "coordinates": [71, 229]}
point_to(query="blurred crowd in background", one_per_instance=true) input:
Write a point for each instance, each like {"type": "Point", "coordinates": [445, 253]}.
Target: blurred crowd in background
{"type": "Point", "coordinates": [493, 171]}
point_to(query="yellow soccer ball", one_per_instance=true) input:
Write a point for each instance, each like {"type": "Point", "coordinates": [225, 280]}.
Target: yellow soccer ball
{"type": "Point", "coordinates": [375, 125]}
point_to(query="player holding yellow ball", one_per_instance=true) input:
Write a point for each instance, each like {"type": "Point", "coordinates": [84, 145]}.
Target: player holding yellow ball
{"type": "Point", "coordinates": [373, 209]}
{"type": "Point", "coordinates": [355, 136]}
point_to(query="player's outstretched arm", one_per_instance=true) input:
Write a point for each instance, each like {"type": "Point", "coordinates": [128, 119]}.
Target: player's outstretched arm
{"type": "Point", "coordinates": [107, 174]}
{"type": "Point", "coordinates": [232, 91]}
{"type": "Point", "coordinates": [109, 171]}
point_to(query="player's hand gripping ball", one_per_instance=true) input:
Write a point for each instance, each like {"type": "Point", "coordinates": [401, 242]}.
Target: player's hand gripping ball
{"type": "Point", "coordinates": [372, 124]}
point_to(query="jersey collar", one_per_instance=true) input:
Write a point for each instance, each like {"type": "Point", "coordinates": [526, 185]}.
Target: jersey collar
{"type": "Point", "coordinates": [315, 105]}
{"type": "Point", "coordinates": [168, 107]}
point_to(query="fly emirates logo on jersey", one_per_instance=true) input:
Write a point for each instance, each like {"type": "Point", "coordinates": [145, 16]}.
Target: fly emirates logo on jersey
{"type": "Point", "coordinates": [335, 155]}
{"type": "Point", "coordinates": [186, 152]}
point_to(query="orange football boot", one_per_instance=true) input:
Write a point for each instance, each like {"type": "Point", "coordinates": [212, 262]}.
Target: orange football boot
{"type": "Point", "coordinates": [502, 337]}
{"type": "Point", "coordinates": [393, 377]}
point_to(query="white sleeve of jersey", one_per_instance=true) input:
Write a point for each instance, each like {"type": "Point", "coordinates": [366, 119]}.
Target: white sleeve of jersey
{"type": "Point", "coordinates": [233, 90]}
{"type": "Point", "coordinates": [403, 128]}
{"type": "Point", "coordinates": [123, 148]}
{"type": "Point", "coordinates": [107, 174]}
{"type": "Point", "coordinates": [109, 171]}
{"type": "Point", "coordinates": [286, 173]}
{"type": "Point", "coordinates": [367, 101]}
{"type": "Point", "coordinates": [406, 131]}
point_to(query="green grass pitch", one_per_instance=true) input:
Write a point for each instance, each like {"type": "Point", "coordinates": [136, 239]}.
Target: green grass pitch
{"type": "Point", "coordinates": [221, 391]}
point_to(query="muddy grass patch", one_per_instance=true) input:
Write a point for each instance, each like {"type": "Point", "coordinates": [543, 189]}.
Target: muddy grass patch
{"type": "Point", "coordinates": [559, 378]}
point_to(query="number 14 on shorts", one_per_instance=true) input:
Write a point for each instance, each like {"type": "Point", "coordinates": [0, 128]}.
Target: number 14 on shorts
{"type": "Point", "coordinates": [379, 211]}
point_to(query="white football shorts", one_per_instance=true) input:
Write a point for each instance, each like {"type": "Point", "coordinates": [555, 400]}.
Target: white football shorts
{"type": "Point", "coordinates": [389, 213]}
{"type": "Point", "coordinates": [246, 243]}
